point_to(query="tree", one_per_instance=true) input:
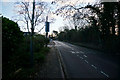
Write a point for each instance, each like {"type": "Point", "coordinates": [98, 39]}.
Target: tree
{"type": "Point", "coordinates": [77, 12]}
{"type": "Point", "coordinates": [32, 12]}
{"type": "Point", "coordinates": [102, 23]}
{"type": "Point", "coordinates": [55, 32]}
{"type": "Point", "coordinates": [25, 10]}
{"type": "Point", "coordinates": [11, 39]}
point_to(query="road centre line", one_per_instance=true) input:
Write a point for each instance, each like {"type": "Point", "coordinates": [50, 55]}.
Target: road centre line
{"type": "Point", "coordinates": [81, 57]}
{"type": "Point", "coordinates": [77, 52]}
{"type": "Point", "coordinates": [84, 55]}
{"type": "Point", "coordinates": [86, 61]}
{"type": "Point", "coordinates": [72, 51]}
{"type": "Point", "coordinates": [94, 66]}
{"type": "Point", "coordinates": [81, 52]}
{"type": "Point", "coordinates": [104, 74]}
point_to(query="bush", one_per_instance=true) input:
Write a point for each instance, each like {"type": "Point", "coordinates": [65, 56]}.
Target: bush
{"type": "Point", "coordinates": [40, 56]}
{"type": "Point", "coordinates": [16, 49]}
{"type": "Point", "coordinates": [38, 42]}
{"type": "Point", "coordinates": [11, 39]}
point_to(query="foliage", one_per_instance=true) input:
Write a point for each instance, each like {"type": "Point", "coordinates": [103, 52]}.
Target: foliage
{"type": "Point", "coordinates": [55, 32]}
{"type": "Point", "coordinates": [11, 39]}
{"type": "Point", "coordinates": [103, 26]}
{"type": "Point", "coordinates": [40, 41]}
{"type": "Point", "coordinates": [40, 56]}
{"type": "Point", "coordinates": [24, 10]}
{"type": "Point", "coordinates": [89, 34]}
{"type": "Point", "coordinates": [16, 51]}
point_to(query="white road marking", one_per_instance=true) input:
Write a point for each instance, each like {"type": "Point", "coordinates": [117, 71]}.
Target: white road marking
{"type": "Point", "coordinates": [86, 61]}
{"type": "Point", "coordinates": [81, 52]}
{"type": "Point", "coordinates": [104, 74]}
{"type": "Point", "coordinates": [72, 51]}
{"type": "Point", "coordinates": [77, 52]}
{"type": "Point", "coordinates": [84, 55]}
{"type": "Point", "coordinates": [94, 66]}
{"type": "Point", "coordinates": [81, 57]}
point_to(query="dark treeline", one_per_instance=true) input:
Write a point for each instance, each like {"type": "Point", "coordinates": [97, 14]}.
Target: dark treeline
{"type": "Point", "coordinates": [103, 31]}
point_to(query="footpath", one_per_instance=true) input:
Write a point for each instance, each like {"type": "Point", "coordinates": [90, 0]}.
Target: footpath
{"type": "Point", "coordinates": [50, 69]}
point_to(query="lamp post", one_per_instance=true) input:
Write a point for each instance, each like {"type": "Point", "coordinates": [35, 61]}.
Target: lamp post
{"type": "Point", "coordinates": [31, 36]}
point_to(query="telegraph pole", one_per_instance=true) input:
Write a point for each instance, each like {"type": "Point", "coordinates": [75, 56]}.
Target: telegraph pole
{"type": "Point", "coordinates": [31, 35]}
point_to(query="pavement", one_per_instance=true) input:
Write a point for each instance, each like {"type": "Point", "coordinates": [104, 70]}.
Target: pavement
{"type": "Point", "coordinates": [51, 68]}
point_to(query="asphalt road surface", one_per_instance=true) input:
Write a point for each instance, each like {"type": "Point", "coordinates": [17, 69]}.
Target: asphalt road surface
{"type": "Point", "coordinates": [81, 62]}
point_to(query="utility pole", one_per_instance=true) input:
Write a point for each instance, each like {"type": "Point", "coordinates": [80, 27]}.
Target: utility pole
{"type": "Point", "coordinates": [32, 33]}
{"type": "Point", "coordinates": [46, 28]}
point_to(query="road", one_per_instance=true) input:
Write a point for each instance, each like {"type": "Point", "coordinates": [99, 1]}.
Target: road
{"type": "Point", "coordinates": [81, 62]}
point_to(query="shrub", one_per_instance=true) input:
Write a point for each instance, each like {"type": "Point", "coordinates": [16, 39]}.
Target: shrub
{"type": "Point", "coordinates": [11, 38]}
{"type": "Point", "coordinates": [40, 56]}
{"type": "Point", "coordinates": [16, 49]}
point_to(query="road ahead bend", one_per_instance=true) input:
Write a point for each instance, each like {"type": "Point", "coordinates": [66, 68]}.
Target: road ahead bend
{"type": "Point", "coordinates": [80, 62]}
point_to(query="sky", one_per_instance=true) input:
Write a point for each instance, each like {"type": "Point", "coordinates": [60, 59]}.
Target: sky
{"type": "Point", "coordinates": [7, 10]}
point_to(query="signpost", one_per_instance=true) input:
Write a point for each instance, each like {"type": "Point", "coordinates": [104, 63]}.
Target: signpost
{"type": "Point", "coordinates": [46, 26]}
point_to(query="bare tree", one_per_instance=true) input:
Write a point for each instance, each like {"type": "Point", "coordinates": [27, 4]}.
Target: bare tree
{"type": "Point", "coordinates": [76, 11]}
{"type": "Point", "coordinates": [31, 14]}
{"type": "Point", "coordinates": [24, 11]}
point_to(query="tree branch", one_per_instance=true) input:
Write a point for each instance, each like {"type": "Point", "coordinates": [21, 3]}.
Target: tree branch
{"type": "Point", "coordinates": [26, 7]}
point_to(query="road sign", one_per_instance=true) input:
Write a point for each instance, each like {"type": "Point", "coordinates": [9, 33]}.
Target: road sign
{"type": "Point", "coordinates": [46, 26]}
